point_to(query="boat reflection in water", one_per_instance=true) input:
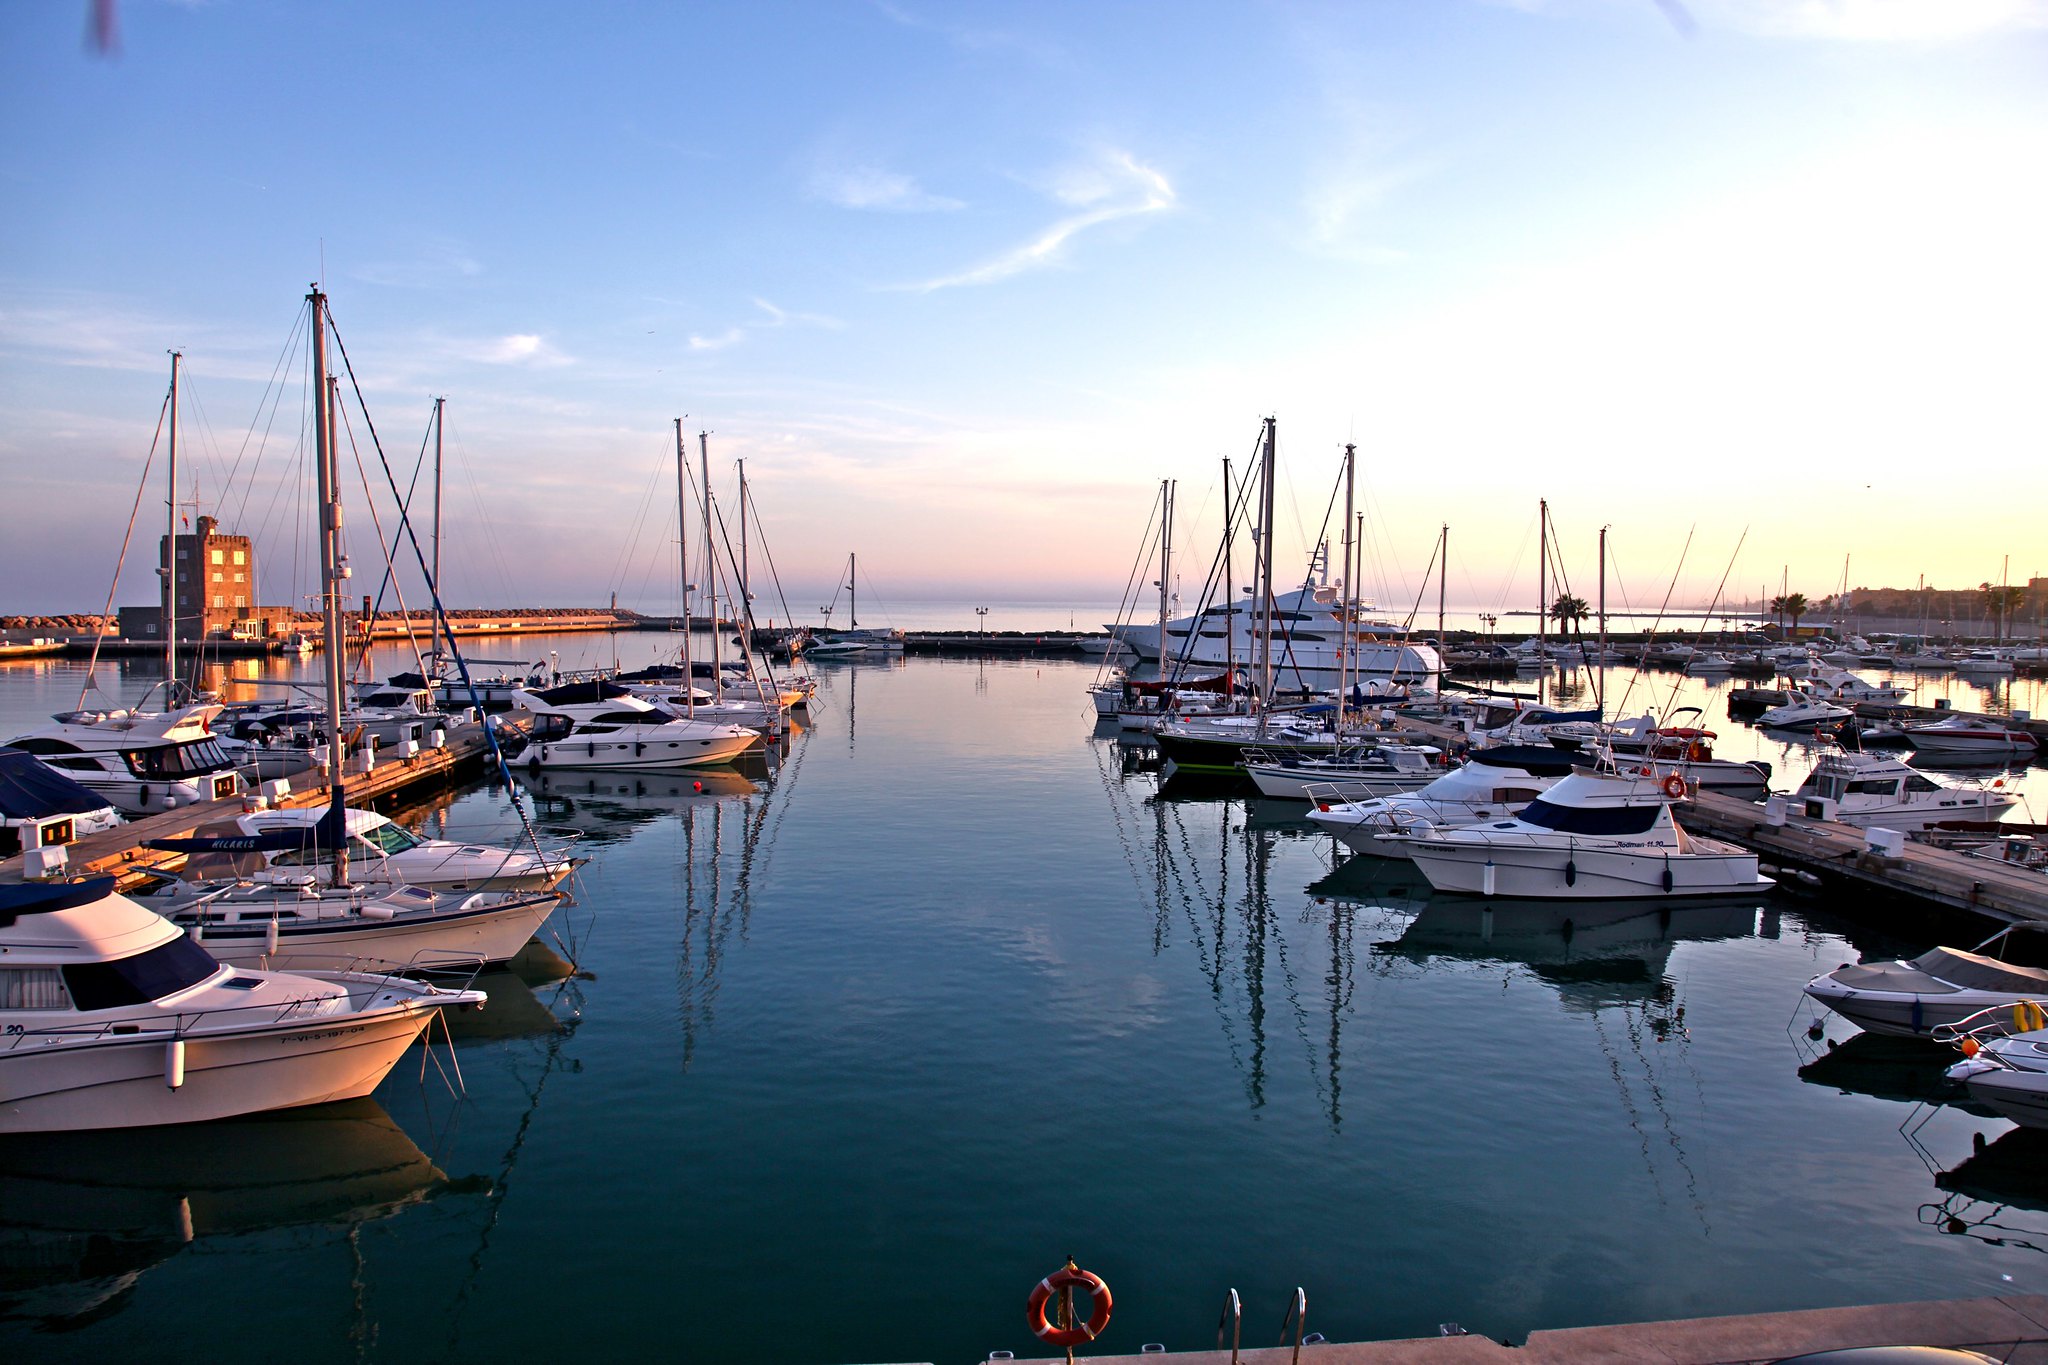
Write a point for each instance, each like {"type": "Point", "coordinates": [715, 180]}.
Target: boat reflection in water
{"type": "Point", "coordinates": [1903, 1070]}
{"type": "Point", "coordinates": [84, 1215]}
{"type": "Point", "coordinates": [1998, 1194]}
{"type": "Point", "coordinates": [535, 995]}
{"type": "Point", "coordinates": [606, 807]}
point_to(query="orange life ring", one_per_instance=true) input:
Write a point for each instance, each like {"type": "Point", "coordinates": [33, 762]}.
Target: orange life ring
{"type": "Point", "coordinates": [1069, 1277]}
{"type": "Point", "coordinates": [1674, 786]}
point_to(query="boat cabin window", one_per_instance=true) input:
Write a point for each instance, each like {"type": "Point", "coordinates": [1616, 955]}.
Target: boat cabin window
{"type": "Point", "coordinates": [552, 727]}
{"type": "Point", "coordinates": [1592, 819]}
{"type": "Point", "coordinates": [178, 760]}
{"type": "Point", "coordinates": [137, 980]}
{"type": "Point", "coordinates": [1888, 786]}
{"type": "Point", "coordinates": [31, 744]}
{"type": "Point", "coordinates": [390, 838]}
{"type": "Point", "coordinates": [32, 988]}
{"type": "Point", "coordinates": [622, 718]}
{"type": "Point", "coordinates": [1825, 785]}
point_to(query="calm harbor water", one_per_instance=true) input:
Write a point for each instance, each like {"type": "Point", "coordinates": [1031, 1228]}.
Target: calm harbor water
{"type": "Point", "coordinates": [862, 1047]}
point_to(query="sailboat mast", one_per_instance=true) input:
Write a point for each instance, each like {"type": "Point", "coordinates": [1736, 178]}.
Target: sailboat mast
{"type": "Point", "coordinates": [333, 568]}
{"type": "Point", "coordinates": [1346, 626]}
{"type": "Point", "coordinates": [1600, 672]}
{"type": "Point", "coordinates": [683, 560]}
{"type": "Point", "coordinates": [1542, 565]}
{"type": "Point", "coordinates": [437, 513]}
{"type": "Point", "coordinates": [1229, 589]}
{"type": "Point", "coordinates": [1165, 561]}
{"type": "Point", "coordinates": [852, 590]}
{"type": "Point", "coordinates": [1265, 574]}
{"type": "Point", "coordinates": [710, 555]}
{"type": "Point", "coordinates": [745, 614]}
{"type": "Point", "coordinates": [1443, 575]}
{"type": "Point", "coordinates": [171, 555]}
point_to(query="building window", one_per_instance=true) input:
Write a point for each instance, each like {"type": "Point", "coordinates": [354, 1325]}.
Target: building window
{"type": "Point", "coordinates": [219, 601]}
{"type": "Point", "coordinates": [218, 577]}
{"type": "Point", "coordinates": [242, 602]}
{"type": "Point", "coordinates": [220, 557]}
{"type": "Point", "coordinates": [184, 552]}
{"type": "Point", "coordinates": [241, 578]}
{"type": "Point", "coordinates": [241, 557]}
{"type": "Point", "coordinates": [184, 600]}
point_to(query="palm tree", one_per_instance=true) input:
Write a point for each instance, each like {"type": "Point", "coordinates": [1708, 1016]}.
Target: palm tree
{"type": "Point", "coordinates": [1778, 610]}
{"type": "Point", "coordinates": [1795, 607]}
{"type": "Point", "coordinates": [1567, 610]}
{"type": "Point", "coordinates": [2000, 603]}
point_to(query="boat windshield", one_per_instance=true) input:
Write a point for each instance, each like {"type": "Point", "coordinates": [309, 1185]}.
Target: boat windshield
{"type": "Point", "coordinates": [1591, 819]}
{"type": "Point", "coordinates": [390, 838]}
{"type": "Point", "coordinates": [179, 760]}
{"type": "Point", "coordinates": [137, 980]}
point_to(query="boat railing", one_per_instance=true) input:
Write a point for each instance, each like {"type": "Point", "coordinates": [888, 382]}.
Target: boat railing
{"type": "Point", "coordinates": [1970, 1033]}
{"type": "Point", "coordinates": [175, 1024]}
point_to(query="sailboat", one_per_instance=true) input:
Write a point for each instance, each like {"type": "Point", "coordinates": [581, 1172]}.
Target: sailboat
{"type": "Point", "coordinates": [309, 915]}
{"type": "Point", "coordinates": [143, 761]}
{"type": "Point", "coordinates": [855, 639]}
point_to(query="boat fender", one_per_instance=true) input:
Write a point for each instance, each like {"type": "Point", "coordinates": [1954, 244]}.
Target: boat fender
{"type": "Point", "coordinates": [270, 937]}
{"type": "Point", "coordinates": [1076, 1334]}
{"type": "Point", "coordinates": [1571, 872]}
{"type": "Point", "coordinates": [174, 1063]}
{"type": "Point", "coordinates": [377, 910]}
{"type": "Point", "coordinates": [1915, 1019]}
{"type": "Point", "coordinates": [1486, 878]}
{"type": "Point", "coordinates": [1667, 874]}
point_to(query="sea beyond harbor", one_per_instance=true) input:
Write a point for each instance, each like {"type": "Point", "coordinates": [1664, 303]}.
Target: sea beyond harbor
{"type": "Point", "coordinates": [954, 985]}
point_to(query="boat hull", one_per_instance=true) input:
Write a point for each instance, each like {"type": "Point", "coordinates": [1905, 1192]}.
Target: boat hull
{"type": "Point", "coordinates": [493, 933]}
{"type": "Point", "coordinates": [626, 755]}
{"type": "Point", "coordinates": [118, 1081]}
{"type": "Point", "coordinates": [1543, 872]}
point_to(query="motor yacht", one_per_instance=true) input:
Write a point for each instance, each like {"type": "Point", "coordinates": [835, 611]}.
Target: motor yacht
{"type": "Point", "coordinates": [115, 1019]}
{"type": "Point", "coordinates": [601, 725]}
{"type": "Point", "coordinates": [1875, 791]}
{"type": "Point", "coordinates": [1494, 783]}
{"type": "Point", "coordinates": [1354, 774]}
{"type": "Point", "coordinates": [143, 762]}
{"type": "Point", "coordinates": [1592, 836]}
{"type": "Point", "coordinates": [1312, 627]}
{"type": "Point", "coordinates": [1803, 712]}
{"type": "Point", "coordinates": [1967, 736]}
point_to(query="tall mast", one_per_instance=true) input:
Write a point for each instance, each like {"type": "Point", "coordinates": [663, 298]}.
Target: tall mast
{"type": "Point", "coordinates": [1600, 671]}
{"type": "Point", "coordinates": [1229, 591]}
{"type": "Point", "coordinates": [1165, 561]}
{"type": "Point", "coordinates": [1443, 577]}
{"type": "Point", "coordinates": [437, 510]}
{"type": "Point", "coordinates": [1346, 595]}
{"type": "Point", "coordinates": [710, 557]}
{"type": "Point", "coordinates": [1542, 564]}
{"type": "Point", "coordinates": [333, 569]}
{"type": "Point", "coordinates": [683, 560]}
{"type": "Point", "coordinates": [1265, 576]}
{"type": "Point", "coordinates": [852, 602]}
{"type": "Point", "coordinates": [745, 613]}
{"type": "Point", "coordinates": [171, 556]}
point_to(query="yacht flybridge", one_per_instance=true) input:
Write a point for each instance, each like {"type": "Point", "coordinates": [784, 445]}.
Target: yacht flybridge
{"type": "Point", "coordinates": [115, 1019]}
{"type": "Point", "coordinates": [1592, 836]}
{"type": "Point", "coordinates": [142, 762]}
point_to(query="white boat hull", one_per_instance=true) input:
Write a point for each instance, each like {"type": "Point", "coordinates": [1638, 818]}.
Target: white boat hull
{"type": "Point", "coordinates": [624, 755]}
{"type": "Point", "coordinates": [1296, 783]}
{"type": "Point", "coordinates": [107, 1080]}
{"type": "Point", "coordinates": [489, 933]}
{"type": "Point", "coordinates": [1547, 872]}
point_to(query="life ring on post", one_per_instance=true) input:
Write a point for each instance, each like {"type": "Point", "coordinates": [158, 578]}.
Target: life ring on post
{"type": "Point", "coordinates": [1078, 1334]}
{"type": "Point", "coordinates": [1674, 786]}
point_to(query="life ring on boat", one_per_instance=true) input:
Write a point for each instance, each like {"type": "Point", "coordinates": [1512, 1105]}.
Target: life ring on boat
{"type": "Point", "coordinates": [1069, 1276]}
{"type": "Point", "coordinates": [1674, 786]}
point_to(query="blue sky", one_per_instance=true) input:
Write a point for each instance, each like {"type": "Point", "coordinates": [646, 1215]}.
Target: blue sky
{"type": "Point", "coordinates": [961, 283]}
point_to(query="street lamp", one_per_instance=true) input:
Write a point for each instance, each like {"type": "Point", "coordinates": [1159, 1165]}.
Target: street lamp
{"type": "Point", "coordinates": [982, 612]}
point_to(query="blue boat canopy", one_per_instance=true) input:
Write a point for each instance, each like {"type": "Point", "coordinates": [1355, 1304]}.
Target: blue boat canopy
{"type": "Point", "coordinates": [40, 898]}
{"type": "Point", "coordinates": [31, 790]}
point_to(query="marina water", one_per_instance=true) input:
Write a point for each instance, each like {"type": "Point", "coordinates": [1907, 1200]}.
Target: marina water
{"type": "Point", "coordinates": [856, 1051]}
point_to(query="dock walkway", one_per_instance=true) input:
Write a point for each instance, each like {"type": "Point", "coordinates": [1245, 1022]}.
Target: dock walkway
{"type": "Point", "coordinates": [2012, 1329]}
{"type": "Point", "coordinates": [119, 851]}
{"type": "Point", "coordinates": [1840, 855]}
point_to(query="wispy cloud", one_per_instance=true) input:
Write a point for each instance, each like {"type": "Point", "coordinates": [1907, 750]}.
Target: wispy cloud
{"type": "Point", "coordinates": [978, 40]}
{"type": "Point", "coordinates": [1115, 187]}
{"type": "Point", "coordinates": [876, 190]}
{"type": "Point", "coordinates": [436, 264]}
{"type": "Point", "coordinates": [526, 349]}
{"type": "Point", "coordinates": [772, 316]}
{"type": "Point", "coordinates": [1862, 21]}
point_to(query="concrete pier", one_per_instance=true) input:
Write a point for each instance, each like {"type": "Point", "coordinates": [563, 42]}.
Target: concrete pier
{"type": "Point", "coordinates": [2011, 1329]}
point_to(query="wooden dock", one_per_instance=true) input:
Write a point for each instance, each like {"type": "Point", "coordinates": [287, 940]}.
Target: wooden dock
{"type": "Point", "coordinates": [119, 852]}
{"type": "Point", "coordinates": [1841, 857]}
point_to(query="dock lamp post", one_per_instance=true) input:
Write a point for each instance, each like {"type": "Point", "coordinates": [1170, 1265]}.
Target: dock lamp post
{"type": "Point", "coordinates": [982, 612]}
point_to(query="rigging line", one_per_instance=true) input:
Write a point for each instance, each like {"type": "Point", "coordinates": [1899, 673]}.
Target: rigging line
{"type": "Point", "coordinates": [755, 507]}
{"type": "Point", "coordinates": [490, 732]}
{"type": "Point", "coordinates": [271, 386]}
{"type": "Point", "coordinates": [273, 394]}
{"type": "Point", "coordinates": [1128, 602]}
{"type": "Point", "coordinates": [92, 663]}
{"type": "Point", "coordinates": [390, 580]}
{"type": "Point", "coordinates": [629, 549]}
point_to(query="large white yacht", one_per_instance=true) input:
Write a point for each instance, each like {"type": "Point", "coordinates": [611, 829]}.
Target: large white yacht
{"type": "Point", "coordinates": [602, 725]}
{"type": "Point", "coordinates": [1873, 791]}
{"type": "Point", "coordinates": [143, 762]}
{"type": "Point", "coordinates": [115, 1019]}
{"type": "Point", "coordinates": [1592, 836]}
{"type": "Point", "coordinates": [1308, 645]}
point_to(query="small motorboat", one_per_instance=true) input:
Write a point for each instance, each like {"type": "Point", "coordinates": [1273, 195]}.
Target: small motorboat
{"type": "Point", "coordinates": [1968, 736]}
{"type": "Point", "coordinates": [1804, 711]}
{"type": "Point", "coordinates": [115, 1019]}
{"type": "Point", "coordinates": [1355, 774]}
{"type": "Point", "coordinates": [1873, 791]}
{"type": "Point", "coordinates": [2008, 1070]}
{"type": "Point", "coordinates": [1493, 784]}
{"type": "Point", "coordinates": [1938, 989]}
